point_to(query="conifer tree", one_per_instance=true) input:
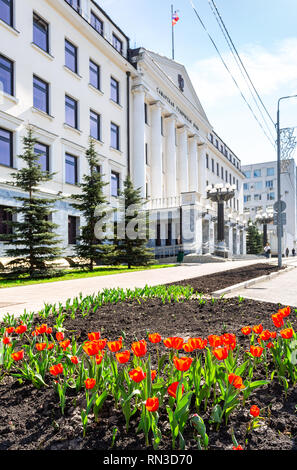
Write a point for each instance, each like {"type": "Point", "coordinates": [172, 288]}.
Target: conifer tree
{"type": "Point", "coordinates": [33, 238]}
{"type": "Point", "coordinates": [88, 202]}
{"type": "Point", "coordinates": [254, 240]}
{"type": "Point", "coordinates": [132, 230]}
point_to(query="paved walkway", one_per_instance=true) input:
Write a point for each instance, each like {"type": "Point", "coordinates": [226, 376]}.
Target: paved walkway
{"type": "Point", "coordinates": [280, 289]}
{"type": "Point", "coordinates": [15, 300]}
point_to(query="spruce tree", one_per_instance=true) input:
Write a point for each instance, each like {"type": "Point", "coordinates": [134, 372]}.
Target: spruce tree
{"type": "Point", "coordinates": [89, 200]}
{"type": "Point", "coordinates": [33, 238]}
{"type": "Point", "coordinates": [132, 230]}
{"type": "Point", "coordinates": [254, 240]}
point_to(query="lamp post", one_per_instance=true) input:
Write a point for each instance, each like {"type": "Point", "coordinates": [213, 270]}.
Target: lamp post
{"type": "Point", "coordinates": [220, 195]}
{"type": "Point", "coordinates": [264, 219]}
{"type": "Point", "coordinates": [290, 147]}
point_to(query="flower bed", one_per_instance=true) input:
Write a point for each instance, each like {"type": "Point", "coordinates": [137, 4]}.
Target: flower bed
{"type": "Point", "coordinates": [159, 370]}
{"type": "Point", "coordinates": [217, 281]}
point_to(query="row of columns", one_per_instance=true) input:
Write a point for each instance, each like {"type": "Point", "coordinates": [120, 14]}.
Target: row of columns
{"type": "Point", "coordinates": [184, 167]}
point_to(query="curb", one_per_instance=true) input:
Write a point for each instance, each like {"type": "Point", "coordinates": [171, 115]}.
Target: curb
{"type": "Point", "coordinates": [250, 282]}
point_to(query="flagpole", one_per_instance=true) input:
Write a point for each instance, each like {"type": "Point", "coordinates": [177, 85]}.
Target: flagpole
{"type": "Point", "coordinates": [172, 26]}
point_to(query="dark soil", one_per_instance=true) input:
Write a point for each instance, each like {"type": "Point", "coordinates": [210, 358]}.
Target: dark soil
{"type": "Point", "coordinates": [213, 282]}
{"type": "Point", "coordinates": [30, 419]}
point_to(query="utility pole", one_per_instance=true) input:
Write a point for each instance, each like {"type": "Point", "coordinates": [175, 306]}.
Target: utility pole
{"type": "Point", "coordinates": [288, 145]}
{"type": "Point", "coordinates": [279, 214]}
{"type": "Point", "coordinates": [172, 27]}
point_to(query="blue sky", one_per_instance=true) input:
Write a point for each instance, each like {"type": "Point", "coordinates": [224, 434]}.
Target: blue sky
{"type": "Point", "coordinates": [265, 35]}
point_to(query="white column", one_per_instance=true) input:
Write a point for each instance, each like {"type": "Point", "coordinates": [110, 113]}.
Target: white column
{"type": "Point", "coordinates": [201, 169]}
{"type": "Point", "coordinates": [193, 164]}
{"type": "Point", "coordinates": [244, 242]}
{"type": "Point", "coordinates": [183, 171]}
{"type": "Point", "coordinates": [237, 241]}
{"type": "Point", "coordinates": [138, 162]}
{"type": "Point", "coordinates": [156, 151]}
{"type": "Point", "coordinates": [170, 156]}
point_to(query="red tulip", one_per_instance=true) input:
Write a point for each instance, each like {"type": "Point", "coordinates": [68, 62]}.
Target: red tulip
{"type": "Point", "coordinates": [137, 375]}
{"type": "Point", "coordinates": [287, 333]}
{"type": "Point", "coordinates": [59, 336]}
{"type": "Point", "coordinates": [215, 341]}
{"type": "Point", "coordinates": [40, 346]}
{"type": "Point", "coordinates": [90, 384]}
{"type": "Point", "coordinates": [237, 448]}
{"type": "Point", "coordinates": [236, 381]}
{"type": "Point", "coordinates": [277, 319]}
{"type": "Point", "coordinates": [6, 340]}
{"type": "Point", "coordinates": [139, 348]}
{"type": "Point", "coordinates": [174, 342]}
{"type": "Point", "coordinates": [197, 343]}
{"type": "Point", "coordinates": [91, 348]}
{"type": "Point", "coordinates": [255, 411]}
{"type": "Point", "coordinates": [50, 346]}
{"type": "Point", "coordinates": [56, 369]}
{"type": "Point", "coordinates": [172, 389]}
{"type": "Point", "coordinates": [257, 329]}
{"type": "Point", "coordinates": [18, 356]}
{"type": "Point", "coordinates": [246, 330]}
{"type": "Point", "coordinates": [99, 358]}
{"type": "Point", "coordinates": [74, 360]}
{"type": "Point", "coordinates": [154, 338]}
{"type": "Point", "coordinates": [285, 312]}
{"type": "Point", "coordinates": [182, 363]}
{"type": "Point", "coordinates": [123, 356]}
{"type": "Point", "coordinates": [21, 329]}
{"type": "Point", "coordinates": [9, 329]}
{"type": "Point", "coordinates": [94, 335]}
{"type": "Point", "coordinates": [115, 346]}
{"type": "Point", "coordinates": [42, 329]}
{"type": "Point", "coordinates": [64, 344]}
{"type": "Point", "coordinates": [187, 347]}
{"type": "Point", "coordinates": [265, 335]}
{"type": "Point", "coordinates": [221, 353]}
{"type": "Point", "coordinates": [153, 374]}
{"type": "Point", "coordinates": [152, 404]}
{"type": "Point", "coordinates": [256, 351]}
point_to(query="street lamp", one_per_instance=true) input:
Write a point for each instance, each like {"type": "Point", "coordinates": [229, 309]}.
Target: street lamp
{"type": "Point", "coordinates": [291, 143]}
{"type": "Point", "coordinates": [264, 219]}
{"type": "Point", "coordinates": [220, 195]}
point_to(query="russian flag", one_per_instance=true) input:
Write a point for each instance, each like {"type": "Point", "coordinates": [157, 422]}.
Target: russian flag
{"type": "Point", "coordinates": [175, 18]}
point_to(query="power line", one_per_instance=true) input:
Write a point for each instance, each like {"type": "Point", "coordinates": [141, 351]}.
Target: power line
{"type": "Point", "coordinates": [230, 73]}
{"type": "Point", "coordinates": [240, 64]}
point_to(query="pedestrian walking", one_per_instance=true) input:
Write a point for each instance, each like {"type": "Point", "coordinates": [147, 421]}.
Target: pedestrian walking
{"type": "Point", "coordinates": [287, 252]}
{"type": "Point", "coordinates": [293, 252]}
{"type": "Point", "coordinates": [267, 250]}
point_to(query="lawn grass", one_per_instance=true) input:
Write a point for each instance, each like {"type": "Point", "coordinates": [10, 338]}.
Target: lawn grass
{"type": "Point", "coordinates": [78, 274]}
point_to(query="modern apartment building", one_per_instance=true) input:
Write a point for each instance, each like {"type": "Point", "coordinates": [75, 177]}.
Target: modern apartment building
{"type": "Point", "coordinates": [67, 70]}
{"type": "Point", "coordinates": [260, 194]}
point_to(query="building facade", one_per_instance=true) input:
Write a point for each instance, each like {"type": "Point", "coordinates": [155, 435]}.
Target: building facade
{"type": "Point", "coordinates": [176, 156]}
{"type": "Point", "coordinates": [66, 69]}
{"type": "Point", "coordinates": [260, 195]}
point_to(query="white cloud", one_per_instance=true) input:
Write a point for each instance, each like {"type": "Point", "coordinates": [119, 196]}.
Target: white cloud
{"type": "Point", "coordinates": [269, 70]}
{"type": "Point", "coordinates": [274, 74]}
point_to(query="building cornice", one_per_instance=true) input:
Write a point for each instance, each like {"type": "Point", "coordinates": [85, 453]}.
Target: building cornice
{"type": "Point", "coordinates": [158, 75]}
{"type": "Point", "coordinates": [87, 30]}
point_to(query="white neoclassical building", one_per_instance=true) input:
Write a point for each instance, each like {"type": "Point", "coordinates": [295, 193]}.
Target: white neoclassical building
{"type": "Point", "coordinates": [64, 70]}
{"type": "Point", "coordinates": [260, 195]}
{"type": "Point", "coordinates": [67, 70]}
{"type": "Point", "coordinates": [176, 156]}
